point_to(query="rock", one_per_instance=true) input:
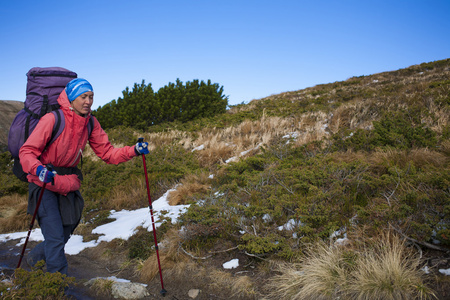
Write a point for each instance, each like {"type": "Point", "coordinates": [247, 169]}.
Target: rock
{"type": "Point", "coordinates": [193, 293]}
{"type": "Point", "coordinates": [128, 290]}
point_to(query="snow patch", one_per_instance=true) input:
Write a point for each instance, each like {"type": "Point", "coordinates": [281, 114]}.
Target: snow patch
{"type": "Point", "coordinates": [290, 225]}
{"type": "Point", "coordinates": [232, 264]}
{"type": "Point", "coordinates": [201, 147]}
{"type": "Point", "coordinates": [445, 271]}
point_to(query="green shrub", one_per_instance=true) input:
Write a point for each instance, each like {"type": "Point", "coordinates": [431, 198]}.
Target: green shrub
{"type": "Point", "coordinates": [260, 245]}
{"type": "Point", "coordinates": [37, 285]}
{"type": "Point", "coordinates": [399, 130]}
{"type": "Point", "coordinates": [9, 183]}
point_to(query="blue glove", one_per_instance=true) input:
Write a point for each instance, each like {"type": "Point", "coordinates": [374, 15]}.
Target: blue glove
{"type": "Point", "coordinates": [44, 174]}
{"type": "Point", "coordinates": [141, 148]}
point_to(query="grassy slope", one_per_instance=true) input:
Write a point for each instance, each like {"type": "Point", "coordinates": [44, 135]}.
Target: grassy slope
{"type": "Point", "coordinates": [367, 154]}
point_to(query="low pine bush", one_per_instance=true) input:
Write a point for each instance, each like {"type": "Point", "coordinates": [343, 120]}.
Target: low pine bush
{"type": "Point", "coordinates": [36, 285]}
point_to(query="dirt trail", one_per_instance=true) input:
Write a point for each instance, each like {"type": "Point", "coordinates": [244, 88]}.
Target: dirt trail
{"type": "Point", "coordinates": [83, 267]}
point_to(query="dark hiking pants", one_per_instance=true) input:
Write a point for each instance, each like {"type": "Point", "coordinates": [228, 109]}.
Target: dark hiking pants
{"type": "Point", "coordinates": [56, 235]}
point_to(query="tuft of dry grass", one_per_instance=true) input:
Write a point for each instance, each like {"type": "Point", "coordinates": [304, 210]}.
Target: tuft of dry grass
{"type": "Point", "coordinates": [360, 113]}
{"type": "Point", "coordinates": [323, 274]}
{"type": "Point", "coordinates": [445, 147]}
{"type": "Point", "coordinates": [215, 152]}
{"type": "Point", "coordinates": [170, 257]}
{"type": "Point", "coordinates": [379, 268]}
{"type": "Point", "coordinates": [388, 270]}
{"type": "Point", "coordinates": [190, 185]}
{"type": "Point", "coordinates": [418, 157]}
{"type": "Point", "coordinates": [240, 287]}
{"type": "Point", "coordinates": [101, 287]}
{"type": "Point", "coordinates": [13, 213]}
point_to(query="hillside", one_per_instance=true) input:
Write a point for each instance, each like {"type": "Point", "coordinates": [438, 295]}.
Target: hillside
{"type": "Point", "coordinates": [8, 110]}
{"type": "Point", "coordinates": [340, 190]}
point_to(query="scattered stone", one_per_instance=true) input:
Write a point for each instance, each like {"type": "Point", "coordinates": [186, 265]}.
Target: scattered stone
{"type": "Point", "coordinates": [193, 293]}
{"type": "Point", "coordinates": [128, 290]}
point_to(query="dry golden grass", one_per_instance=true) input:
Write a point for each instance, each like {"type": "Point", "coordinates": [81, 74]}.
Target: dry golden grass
{"type": "Point", "coordinates": [355, 114]}
{"type": "Point", "coordinates": [445, 147]}
{"type": "Point", "coordinates": [247, 137]}
{"type": "Point", "coordinates": [240, 287]}
{"type": "Point", "coordinates": [379, 268]}
{"type": "Point", "coordinates": [13, 213]}
{"type": "Point", "coordinates": [322, 275]}
{"type": "Point", "coordinates": [169, 256]}
{"type": "Point", "coordinates": [168, 137]}
{"type": "Point", "coordinates": [189, 186]}
{"type": "Point", "coordinates": [389, 270]}
{"type": "Point", "coordinates": [215, 152]}
{"type": "Point", "coordinates": [102, 287]}
{"type": "Point", "coordinates": [422, 157]}
{"type": "Point", "coordinates": [131, 196]}
{"type": "Point", "coordinates": [417, 157]}
{"type": "Point", "coordinates": [438, 117]}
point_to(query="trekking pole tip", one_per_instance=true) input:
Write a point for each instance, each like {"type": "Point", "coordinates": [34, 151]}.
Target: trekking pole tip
{"type": "Point", "coordinates": [163, 292]}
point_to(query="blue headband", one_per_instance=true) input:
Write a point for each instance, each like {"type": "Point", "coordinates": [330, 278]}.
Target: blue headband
{"type": "Point", "coordinates": [76, 87]}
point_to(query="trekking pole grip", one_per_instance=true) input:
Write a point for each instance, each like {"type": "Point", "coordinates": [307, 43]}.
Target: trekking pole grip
{"type": "Point", "coordinates": [51, 169]}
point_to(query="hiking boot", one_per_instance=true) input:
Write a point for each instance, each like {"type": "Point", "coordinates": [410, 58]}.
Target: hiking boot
{"type": "Point", "coordinates": [35, 266]}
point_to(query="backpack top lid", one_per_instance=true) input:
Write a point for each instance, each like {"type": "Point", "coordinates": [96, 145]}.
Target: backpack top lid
{"type": "Point", "coordinates": [46, 82]}
{"type": "Point", "coordinates": [39, 79]}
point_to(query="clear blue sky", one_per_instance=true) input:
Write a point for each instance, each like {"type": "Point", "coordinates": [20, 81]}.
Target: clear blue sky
{"type": "Point", "coordinates": [252, 48]}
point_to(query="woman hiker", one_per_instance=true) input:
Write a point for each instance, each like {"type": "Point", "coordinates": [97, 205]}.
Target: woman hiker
{"type": "Point", "coordinates": [61, 206]}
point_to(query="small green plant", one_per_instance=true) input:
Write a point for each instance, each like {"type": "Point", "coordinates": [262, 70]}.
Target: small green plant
{"type": "Point", "coordinates": [37, 284]}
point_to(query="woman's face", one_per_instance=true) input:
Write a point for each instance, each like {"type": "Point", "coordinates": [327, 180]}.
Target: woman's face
{"type": "Point", "coordinates": [82, 104]}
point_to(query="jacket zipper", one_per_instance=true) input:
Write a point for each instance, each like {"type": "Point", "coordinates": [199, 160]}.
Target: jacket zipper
{"type": "Point", "coordinates": [76, 158]}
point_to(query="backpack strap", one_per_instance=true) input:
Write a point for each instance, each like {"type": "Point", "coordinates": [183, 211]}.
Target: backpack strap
{"type": "Point", "coordinates": [44, 106]}
{"type": "Point", "coordinates": [60, 123]}
{"type": "Point", "coordinates": [90, 125]}
{"type": "Point", "coordinates": [27, 126]}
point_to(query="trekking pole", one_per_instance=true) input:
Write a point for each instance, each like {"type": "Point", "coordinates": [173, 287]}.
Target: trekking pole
{"type": "Point", "coordinates": [33, 218]}
{"type": "Point", "coordinates": [163, 291]}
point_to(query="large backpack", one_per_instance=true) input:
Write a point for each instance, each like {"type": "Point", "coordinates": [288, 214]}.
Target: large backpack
{"type": "Point", "coordinates": [43, 88]}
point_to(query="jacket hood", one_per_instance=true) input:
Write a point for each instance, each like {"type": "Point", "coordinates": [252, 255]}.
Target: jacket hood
{"type": "Point", "coordinates": [64, 102]}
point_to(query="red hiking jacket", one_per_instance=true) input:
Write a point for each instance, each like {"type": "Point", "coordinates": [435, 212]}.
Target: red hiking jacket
{"type": "Point", "coordinates": [66, 150]}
